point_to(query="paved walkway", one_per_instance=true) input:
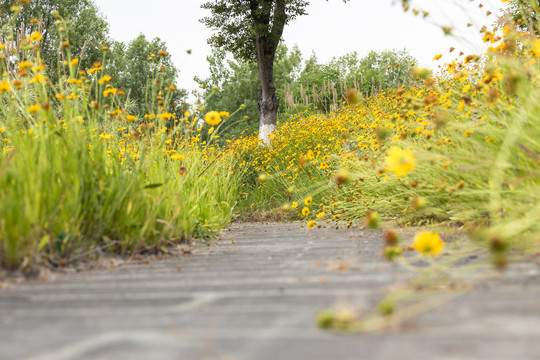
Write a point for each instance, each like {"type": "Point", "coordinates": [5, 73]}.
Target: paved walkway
{"type": "Point", "coordinates": [257, 298]}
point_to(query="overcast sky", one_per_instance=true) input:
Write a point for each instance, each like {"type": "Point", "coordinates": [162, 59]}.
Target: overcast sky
{"type": "Point", "coordinates": [331, 28]}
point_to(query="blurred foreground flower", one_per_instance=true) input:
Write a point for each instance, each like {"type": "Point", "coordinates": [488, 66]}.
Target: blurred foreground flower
{"type": "Point", "coordinates": [400, 161]}
{"type": "Point", "coordinates": [428, 244]}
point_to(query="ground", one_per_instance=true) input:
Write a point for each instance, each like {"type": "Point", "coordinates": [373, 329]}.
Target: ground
{"type": "Point", "coordinates": [255, 294]}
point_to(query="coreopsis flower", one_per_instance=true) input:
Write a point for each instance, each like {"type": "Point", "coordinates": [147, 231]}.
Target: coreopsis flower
{"type": "Point", "coordinates": [36, 36]}
{"type": "Point", "coordinates": [308, 201]}
{"type": "Point", "coordinates": [311, 224]}
{"type": "Point", "coordinates": [109, 92]}
{"type": "Point", "coordinates": [177, 157]}
{"type": "Point", "coordinates": [104, 79]}
{"type": "Point", "coordinates": [34, 108]}
{"type": "Point", "coordinates": [428, 244]}
{"type": "Point", "coordinates": [37, 79]}
{"type": "Point", "coordinates": [212, 118]}
{"type": "Point", "coordinates": [400, 161]}
{"type": "Point", "coordinates": [5, 87]}
{"type": "Point", "coordinates": [305, 211]}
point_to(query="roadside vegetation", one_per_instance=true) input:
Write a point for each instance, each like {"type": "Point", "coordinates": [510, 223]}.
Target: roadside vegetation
{"type": "Point", "coordinates": [82, 168]}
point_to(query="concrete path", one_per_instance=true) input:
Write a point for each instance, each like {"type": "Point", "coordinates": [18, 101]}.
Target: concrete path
{"type": "Point", "coordinates": [257, 298]}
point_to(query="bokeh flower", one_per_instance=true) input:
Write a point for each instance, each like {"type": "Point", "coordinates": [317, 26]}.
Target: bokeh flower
{"type": "Point", "coordinates": [428, 243]}
{"type": "Point", "coordinates": [400, 161]}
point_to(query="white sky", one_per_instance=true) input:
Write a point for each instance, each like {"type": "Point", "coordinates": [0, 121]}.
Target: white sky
{"type": "Point", "coordinates": [331, 28]}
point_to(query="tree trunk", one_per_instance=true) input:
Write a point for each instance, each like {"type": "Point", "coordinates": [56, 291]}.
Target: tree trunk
{"type": "Point", "coordinates": [266, 42]}
{"type": "Point", "coordinates": [268, 107]}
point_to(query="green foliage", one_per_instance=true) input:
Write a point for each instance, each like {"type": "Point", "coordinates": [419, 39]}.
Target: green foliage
{"type": "Point", "coordinates": [369, 75]}
{"type": "Point", "coordinates": [239, 23]}
{"type": "Point", "coordinates": [135, 69]}
{"type": "Point", "coordinates": [525, 14]}
{"type": "Point", "coordinates": [85, 28]}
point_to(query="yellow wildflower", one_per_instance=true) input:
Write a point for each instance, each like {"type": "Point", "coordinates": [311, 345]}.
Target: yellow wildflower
{"type": "Point", "coordinates": [36, 36]}
{"type": "Point", "coordinates": [33, 108]}
{"type": "Point", "coordinates": [5, 87]}
{"type": "Point", "coordinates": [109, 92]}
{"type": "Point", "coordinates": [428, 243]}
{"type": "Point", "coordinates": [212, 118]}
{"type": "Point", "coordinates": [400, 161]}
{"type": "Point", "coordinates": [308, 201]}
{"type": "Point", "coordinates": [305, 211]}
{"type": "Point", "coordinates": [104, 79]}
{"type": "Point", "coordinates": [311, 224]}
{"type": "Point", "coordinates": [177, 157]}
{"type": "Point", "coordinates": [37, 79]}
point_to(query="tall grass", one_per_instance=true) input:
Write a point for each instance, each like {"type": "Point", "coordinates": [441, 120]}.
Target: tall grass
{"type": "Point", "coordinates": [77, 171]}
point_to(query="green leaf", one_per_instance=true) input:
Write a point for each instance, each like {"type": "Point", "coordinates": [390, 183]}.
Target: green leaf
{"type": "Point", "coordinates": [43, 242]}
{"type": "Point", "coordinates": [153, 186]}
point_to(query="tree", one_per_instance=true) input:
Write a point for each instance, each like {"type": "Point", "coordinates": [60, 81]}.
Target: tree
{"type": "Point", "coordinates": [134, 69]}
{"type": "Point", "coordinates": [252, 29]}
{"type": "Point", "coordinates": [86, 28]}
{"type": "Point", "coordinates": [238, 82]}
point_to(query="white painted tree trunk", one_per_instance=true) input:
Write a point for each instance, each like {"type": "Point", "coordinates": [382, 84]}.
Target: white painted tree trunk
{"type": "Point", "coordinates": [265, 130]}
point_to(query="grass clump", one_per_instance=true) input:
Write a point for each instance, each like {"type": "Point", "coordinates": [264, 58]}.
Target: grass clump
{"type": "Point", "coordinates": [78, 171]}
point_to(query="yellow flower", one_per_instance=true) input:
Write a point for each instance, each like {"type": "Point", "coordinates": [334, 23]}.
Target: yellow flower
{"type": "Point", "coordinates": [74, 62]}
{"type": "Point", "coordinates": [33, 108]}
{"type": "Point", "coordinates": [165, 116]}
{"type": "Point", "coordinates": [36, 36]}
{"type": "Point", "coordinates": [323, 165]}
{"type": "Point", "coordinates": [305, 211]}
{"type": "Point", "coordinates": [37, 78]}
{"type": "Point", "coordinates": [131, 118]}
{"type": "Point", "coordinates": [224, 114]}
{"type": "Point", "coordinates": [211, 130]}
{"type": "Point", "coordinates": [5, 87]}
{"type": "Point", "coordinates": [294, 204]}
{"type": "Point", "coordinates": [308, 201]}
{"type": "Point", "coordinates": [109, 92]}
{"type": "Point", "coordinates": [212, 118]}
{"type": "Point", "coordinates": [400, 161]}
{"type": "Point", "coordinates": [104, 79]}
{"type": "Point", "coordinates": [177, 157]}
{"type": "Point", "coordinates": [310, 155]}
{"type": "Point", "coordinates": [428, 243]}
{"type": "Point", "coordinates": [437, 57]}
{"type": "Point", "coordinates": [311, 224]}
{"type": "Point", "coordinates": [320, 215]}
{"type": "Point", "coordinates": [25, 65]}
